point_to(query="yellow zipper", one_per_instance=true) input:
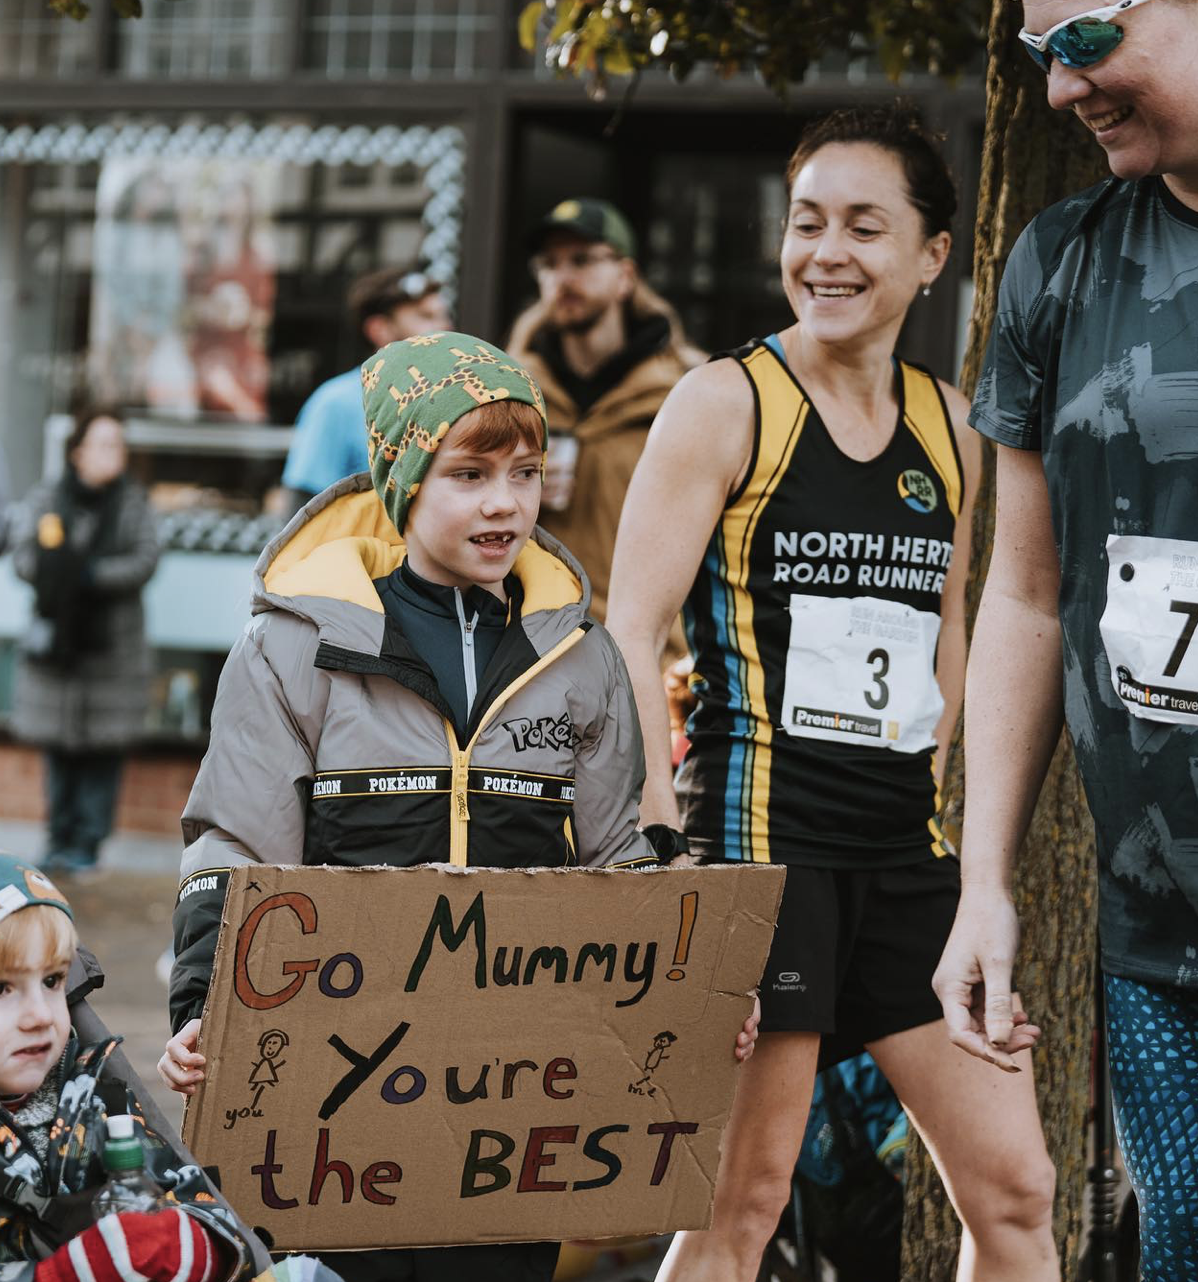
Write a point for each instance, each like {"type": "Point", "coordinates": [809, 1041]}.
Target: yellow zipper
{"type": "Point", "coordinates": [459, 805]}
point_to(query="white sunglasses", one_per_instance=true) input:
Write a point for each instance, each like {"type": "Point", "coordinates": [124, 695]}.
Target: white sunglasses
{"type": "Point", "coordinates": [1080, 41]}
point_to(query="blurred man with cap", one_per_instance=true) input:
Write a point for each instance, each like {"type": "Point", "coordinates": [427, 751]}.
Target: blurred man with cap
{"type": "Point", "coordinates": [330, 432]}
{"type": "Point", "coordinates": [605, 349]}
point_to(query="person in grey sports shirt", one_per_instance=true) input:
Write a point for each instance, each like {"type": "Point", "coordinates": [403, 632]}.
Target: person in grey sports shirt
{"type": "Point", "coordinates": [1091, 606]}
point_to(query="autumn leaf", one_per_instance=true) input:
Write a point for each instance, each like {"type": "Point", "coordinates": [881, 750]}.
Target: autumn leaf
{"type": "Point", "coordinates": [563, 22]}
{"type": "Point", "coordinates": [530, 18]}
{"type": "Point", "coordinates": [79, 9]}
{"type": "Point", "coordinates": [617, 61]}
{"type": "Point", "coordinates": [892, 54]}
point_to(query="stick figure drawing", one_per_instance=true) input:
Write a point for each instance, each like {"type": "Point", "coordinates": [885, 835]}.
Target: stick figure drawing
{"type": "Point", "coordinates": [656, 1054]}
{"type": "Point", "coordinates": [266, 1071]}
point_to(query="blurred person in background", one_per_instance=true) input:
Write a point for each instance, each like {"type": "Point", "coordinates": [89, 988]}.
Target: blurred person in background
{"type": "Point", "coordinates": [330, 433]}
{"type": "Point", "coordinates": [87, 543]}
{"type": "Point", "coordinates": [606, 349]}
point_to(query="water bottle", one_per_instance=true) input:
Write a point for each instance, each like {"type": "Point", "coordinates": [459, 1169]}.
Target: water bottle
{"type": "Point", "coordinates": [128, 1187]}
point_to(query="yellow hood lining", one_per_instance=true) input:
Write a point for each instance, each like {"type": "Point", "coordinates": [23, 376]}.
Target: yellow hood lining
{"type": "Point", "coordinates": [346, 545]}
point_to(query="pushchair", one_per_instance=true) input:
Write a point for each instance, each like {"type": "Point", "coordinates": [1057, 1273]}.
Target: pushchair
{"type": "Point", "coordinates": [86, 975]}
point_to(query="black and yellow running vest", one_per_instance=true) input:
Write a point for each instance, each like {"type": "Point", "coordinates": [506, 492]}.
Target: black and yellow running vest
{"type": "Point", "coordinates": [813, 621]}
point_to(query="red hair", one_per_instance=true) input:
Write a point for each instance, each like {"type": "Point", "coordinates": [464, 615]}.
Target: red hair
{"type": "Point", "coordinates": [501, 426]}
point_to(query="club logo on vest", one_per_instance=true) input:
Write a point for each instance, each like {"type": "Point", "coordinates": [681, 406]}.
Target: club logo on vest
{"type": "Point", "coordinates": [917, 491]}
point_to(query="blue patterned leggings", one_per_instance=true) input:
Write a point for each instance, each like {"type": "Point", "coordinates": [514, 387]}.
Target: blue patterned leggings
{"type": "Point", "coordinates": [1152, 1030]}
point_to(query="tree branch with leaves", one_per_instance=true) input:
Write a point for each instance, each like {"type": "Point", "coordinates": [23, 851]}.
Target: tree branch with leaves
{"type": "Point", "coordinates": [601, 38]}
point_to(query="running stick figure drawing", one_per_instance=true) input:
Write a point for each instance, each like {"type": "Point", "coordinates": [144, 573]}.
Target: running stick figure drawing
{"type": "Point", "coordinates": [656, 1054]}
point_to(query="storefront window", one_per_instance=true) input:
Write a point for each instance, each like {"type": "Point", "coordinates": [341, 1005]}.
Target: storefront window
{"type": "Point", "coordinates": [183, 288]}
{"type": "Point", "coordinates": [207, 39]}
{"type": "Point", "coordinates": [378, 38]}
{"type": "Point", "coordinates": [728, 211]}
{"type": "Point", "coordinates": [36, 42]}
{"type": "Point", "coordinates": [197, 271]}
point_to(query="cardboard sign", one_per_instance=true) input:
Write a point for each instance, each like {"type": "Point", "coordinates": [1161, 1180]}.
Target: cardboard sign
{"type": "Point", "coordinates": [435, 1056]}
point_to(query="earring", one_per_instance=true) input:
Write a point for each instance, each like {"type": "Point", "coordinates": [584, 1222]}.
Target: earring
{"type": "Point", "coordinates": [926, 291]}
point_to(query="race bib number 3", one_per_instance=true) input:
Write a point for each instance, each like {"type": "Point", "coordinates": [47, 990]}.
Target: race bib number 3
{"type": "Point", "coordinates": [861, 670]}
{"type": "Point", "coordinates": [1148, 626]}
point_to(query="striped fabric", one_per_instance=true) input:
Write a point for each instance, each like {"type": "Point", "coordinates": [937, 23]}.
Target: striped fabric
{"type": "Point", "coordinates": [166, 1246]}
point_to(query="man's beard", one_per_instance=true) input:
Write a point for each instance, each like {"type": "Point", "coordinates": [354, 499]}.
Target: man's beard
{"type": "Point", "coordinates": [578, 322]}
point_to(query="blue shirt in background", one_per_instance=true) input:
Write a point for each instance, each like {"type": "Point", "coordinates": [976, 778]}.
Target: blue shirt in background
{"type": "Point", "coordinates": [330, 436]}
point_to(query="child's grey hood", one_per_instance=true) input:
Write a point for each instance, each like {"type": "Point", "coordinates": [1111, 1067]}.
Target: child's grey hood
{"type": "Point", "coordinates": [322, 565]}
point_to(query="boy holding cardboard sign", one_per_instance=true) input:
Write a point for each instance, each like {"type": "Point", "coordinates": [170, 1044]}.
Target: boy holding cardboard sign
{"type": "Point", "coordinates": [420, 684]}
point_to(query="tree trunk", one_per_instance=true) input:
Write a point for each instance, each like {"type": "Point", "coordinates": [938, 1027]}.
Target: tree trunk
{"type": "Point", "coordinates": [1032, 157]}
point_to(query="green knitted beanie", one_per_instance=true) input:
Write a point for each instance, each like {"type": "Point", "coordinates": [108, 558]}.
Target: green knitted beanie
{"type": "Point", "coordinates": [413, 393]}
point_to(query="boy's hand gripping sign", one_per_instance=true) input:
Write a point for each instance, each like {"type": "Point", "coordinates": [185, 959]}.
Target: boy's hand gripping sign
{"type": "Point", "coordinates": [425, 1057]}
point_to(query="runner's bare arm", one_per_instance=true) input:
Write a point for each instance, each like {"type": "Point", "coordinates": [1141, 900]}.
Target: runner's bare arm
{"type": "Point", "coordinates": [1013, 717]}
{"type": "Point", "coordinates": [696, 454]}
{"type": "Point", "coordinates": [950, 653]}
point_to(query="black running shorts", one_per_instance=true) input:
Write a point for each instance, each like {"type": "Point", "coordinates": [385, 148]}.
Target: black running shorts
{"type": "Point", "coordinates": [854, 952]}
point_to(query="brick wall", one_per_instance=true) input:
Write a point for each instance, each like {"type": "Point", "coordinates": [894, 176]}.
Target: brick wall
{"type": "Point", "coordinates": [154, 787]}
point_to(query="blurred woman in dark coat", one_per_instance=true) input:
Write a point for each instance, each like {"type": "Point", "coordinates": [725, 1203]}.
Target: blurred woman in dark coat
{"type": "Point", "coordinates": [87, 544]}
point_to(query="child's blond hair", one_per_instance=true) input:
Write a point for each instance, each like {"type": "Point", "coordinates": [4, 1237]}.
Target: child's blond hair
{"type": "Point", "coordinates": [38, 936]}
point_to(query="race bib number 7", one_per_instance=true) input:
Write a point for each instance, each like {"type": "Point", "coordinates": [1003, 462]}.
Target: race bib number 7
{"type": "Point", "coordinates": [861, 670]}
{"type": "Point", "coordinates": [1148, 626]}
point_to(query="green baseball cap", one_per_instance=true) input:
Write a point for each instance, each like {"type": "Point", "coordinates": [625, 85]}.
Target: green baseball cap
{"type": "Point", "coordinates": [22, 885]}
{"type": "Point", "coordinates": [589, 218]}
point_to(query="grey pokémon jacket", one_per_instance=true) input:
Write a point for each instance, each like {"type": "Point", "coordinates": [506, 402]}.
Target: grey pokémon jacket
{"type": "Point", "coordinates": [331, 743]}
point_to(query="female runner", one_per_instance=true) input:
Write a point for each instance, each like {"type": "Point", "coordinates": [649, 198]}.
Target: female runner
{"type": "Point", "coordinates": [818, 549]}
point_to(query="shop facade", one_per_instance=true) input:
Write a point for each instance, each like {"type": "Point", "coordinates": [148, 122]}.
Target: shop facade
{"type": "Point", "coordinates": [184, 199]}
